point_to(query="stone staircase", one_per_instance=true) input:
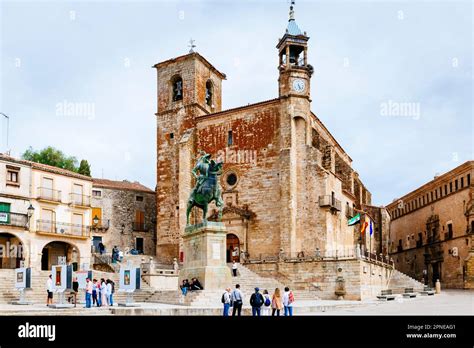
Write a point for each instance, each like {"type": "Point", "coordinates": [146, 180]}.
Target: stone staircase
{"type": "Point", "coordinates": [37, 293]}
{"type": "Point", "coordinates": [399, 281]}
{"type": "Point", "coordinates": [249, 280]}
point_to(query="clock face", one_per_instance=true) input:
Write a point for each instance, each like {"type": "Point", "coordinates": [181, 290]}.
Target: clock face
{"type": "Point", "coordinates": [299, 85]}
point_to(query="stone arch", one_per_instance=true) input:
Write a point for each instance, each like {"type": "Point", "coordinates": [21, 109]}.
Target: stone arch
{"type": "Point", "coordinates": [209, 96]}
{"type": "Point", "coordinates": [176, 88]}
{"type": "Point", "coordinates": [52, 249]}
{"type": "Point", "coordinates": [13, 250]}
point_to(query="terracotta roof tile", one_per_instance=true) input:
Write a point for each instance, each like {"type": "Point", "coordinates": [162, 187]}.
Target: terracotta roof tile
{"type": "Point", "coordinates": [121, 185]}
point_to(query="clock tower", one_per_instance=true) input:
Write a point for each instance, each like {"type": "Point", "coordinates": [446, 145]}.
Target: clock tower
{"type": "Point", "coordinates": [295, 72]}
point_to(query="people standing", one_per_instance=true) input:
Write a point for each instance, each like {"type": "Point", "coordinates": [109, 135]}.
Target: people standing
{"type": "Point", "coordinates": [266, 304]}
{"type": "Point", "coordinates": [288, 300]}
{"type": "Point", "coordinates": [103, 290]}
{"type": "Point", "coordinates": [256, 302]}
{"type": "Point", "coordinates": [49, 290]}
{"type": "Point", "coordinates": [110, 292]}
{"type": "Point", "coordinates": [94, 293]}
{"type": "Point", "coordinates": [88, 292]}
{"type": "Point", "coordinates": [277, 304]}
{"type": "Point", "coordinates": [226, 299]}
{"type": "Point", "coordinates": [234, 268]}
{"type": "Point", "coordinates": [237, 300]}
{"type": "Point", "coordinates": [120, 255]}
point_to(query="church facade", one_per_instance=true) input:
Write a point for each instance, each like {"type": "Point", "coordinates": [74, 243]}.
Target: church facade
{"type": "Point", "coordinates": [288, 186]}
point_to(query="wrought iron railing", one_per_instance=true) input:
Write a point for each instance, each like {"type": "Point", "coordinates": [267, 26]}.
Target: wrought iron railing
{"type": "Point", "coordinates": [14, 219]}
{"type": "Point", "coordinates": [140, 226]}
{"type": "Point", "coordinates": [62, 228]}
{"type": "Point", "coordinates": [80, 199]}
{"type": "Point", "coordinates": [49, 194]}
{"type": "Point", "coordinates": [330, 201]}
{"type": "Point", "coordinates": [101, 226]}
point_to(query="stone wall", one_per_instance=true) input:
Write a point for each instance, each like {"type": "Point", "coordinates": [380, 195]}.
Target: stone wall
{"type": "Point", "coordinates": [419, 229]}
{"type": "Point", "coordinates": [119, 208]}
{"type": "Point", "coordinates": [363, 279]}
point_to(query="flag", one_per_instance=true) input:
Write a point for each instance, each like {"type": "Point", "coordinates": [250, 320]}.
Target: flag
{"type": "Point", "coordinates": [364, 224]}
{"type": "Point", "coordinates": [371, 229]}
{"type": "Point", "coordinates": [353, 220]}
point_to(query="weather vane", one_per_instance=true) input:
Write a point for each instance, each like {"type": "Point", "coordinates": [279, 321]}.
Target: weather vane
{"type": "Point", "coordinates": [191, 45]}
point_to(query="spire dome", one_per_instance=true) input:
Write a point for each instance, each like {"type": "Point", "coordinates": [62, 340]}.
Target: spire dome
{"type": "Point", "coordinates": [292, 28]}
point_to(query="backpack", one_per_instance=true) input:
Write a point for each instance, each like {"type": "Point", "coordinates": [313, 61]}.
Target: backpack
{"type": "Point", "coordinates": [223, 298]}
{"type": "Point", "coordinates": [267, 301]}
{"type": "Point", "coordinates": [259, 300]}
{"type": "Point", "coordinates": [291, 297]}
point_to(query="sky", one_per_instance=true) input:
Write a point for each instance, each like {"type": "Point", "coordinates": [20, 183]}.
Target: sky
{"type": "Point", "coordinates": [393, 80]}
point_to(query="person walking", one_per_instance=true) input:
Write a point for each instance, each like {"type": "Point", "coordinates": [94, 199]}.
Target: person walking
{"type": "Point", "coordinates": [288, 300]}
{"type": "Point", "coordinates": [49, 290]}
{"type": "Point", "coordinates": [88, 292]}
{"type": "Point", "coordinates": [226, 299]}
{"type": "Point", "coordinates": [266, 304]}
{"type": "Point", "coordinates": [234, 268]}
{"type": "Point", "coordinates": [103, 290]}
{"type": "Point", "coordinates": [256, 302]}
{"type": "Point", "coordinates": [237, 301]}
{"type": "Point", "coordinates": [277, 304]}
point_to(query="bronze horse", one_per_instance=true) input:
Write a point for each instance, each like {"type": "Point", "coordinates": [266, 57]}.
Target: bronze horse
{"type": "Point", "coordinates": [207, 187]}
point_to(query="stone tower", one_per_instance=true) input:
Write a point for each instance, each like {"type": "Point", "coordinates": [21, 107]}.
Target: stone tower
{"type": "Point", "coordinates": [188, 87]}
{"type": "Point", "coordinates": [294, 93]}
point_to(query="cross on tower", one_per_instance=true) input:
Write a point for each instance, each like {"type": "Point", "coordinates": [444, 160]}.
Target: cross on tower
{"type": "Point", "coordinates": [191, 45]}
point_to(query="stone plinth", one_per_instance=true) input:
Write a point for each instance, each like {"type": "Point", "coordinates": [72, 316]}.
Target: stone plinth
{"type": "Point", "coordinates": [205, 255]}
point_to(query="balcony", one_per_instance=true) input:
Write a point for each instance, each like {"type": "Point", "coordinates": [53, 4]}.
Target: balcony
{"type": "Point", "coordinates": [50, 195]}
{"type": "Point", "coordinates": [140, 227]}
{"type": "Point", "coordinates": [101, 226]}
{"type": "Point", "coordinates": [14, 219]}
{"type": "Point", "coordinates": [331, 202]}
{"type": "Point", "coordinates": [79, 200]}
{"type": "Point", "coordinates": [62, 228]}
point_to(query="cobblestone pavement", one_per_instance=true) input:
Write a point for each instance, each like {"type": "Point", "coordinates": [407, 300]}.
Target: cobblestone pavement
{"type": "Point", "coordinates": [449, 302]}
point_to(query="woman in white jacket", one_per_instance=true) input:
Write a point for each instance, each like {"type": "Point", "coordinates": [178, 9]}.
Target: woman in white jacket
{"type": "Point", "coordinates": [103, 290]}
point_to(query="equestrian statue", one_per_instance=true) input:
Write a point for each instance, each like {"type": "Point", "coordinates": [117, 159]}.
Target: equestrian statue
{"type": "Point", "coordinates": [207, 188]}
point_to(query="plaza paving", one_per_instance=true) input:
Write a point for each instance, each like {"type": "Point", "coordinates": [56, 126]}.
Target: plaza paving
{"type": "Point", "coordinates": [449, 302]}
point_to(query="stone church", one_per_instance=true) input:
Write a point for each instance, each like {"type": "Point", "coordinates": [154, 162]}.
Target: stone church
{"type": "Point", "coordinates": [288, 185]}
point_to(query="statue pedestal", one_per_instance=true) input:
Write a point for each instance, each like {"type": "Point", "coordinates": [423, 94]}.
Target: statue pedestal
{"type": "Point", "coordinates": [205, 255]}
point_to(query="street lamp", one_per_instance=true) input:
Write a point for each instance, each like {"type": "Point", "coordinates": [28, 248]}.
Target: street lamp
{"type": "Point", "coordinates": [31, 211]}
{"type": "Point", "coordinates": [8, 125]}
{"type": "Point", "coordinates": [95, 220]}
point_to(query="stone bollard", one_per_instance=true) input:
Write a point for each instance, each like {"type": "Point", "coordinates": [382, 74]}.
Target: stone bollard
{"type": "Point", "coordinates": [438, 286]}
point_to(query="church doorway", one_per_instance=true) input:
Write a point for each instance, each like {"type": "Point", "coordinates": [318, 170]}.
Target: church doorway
{"type": "Point", "coordinates": [232, 248]}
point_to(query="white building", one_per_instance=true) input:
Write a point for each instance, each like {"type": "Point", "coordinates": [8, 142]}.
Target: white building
{"type": "Point", "coordinates": [46, 210]}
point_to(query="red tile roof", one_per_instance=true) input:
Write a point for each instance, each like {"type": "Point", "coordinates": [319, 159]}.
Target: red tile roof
{"type": "Point", "coordinates": [121, 185]}
{"type": "Point", "coordinates": [45, 167]}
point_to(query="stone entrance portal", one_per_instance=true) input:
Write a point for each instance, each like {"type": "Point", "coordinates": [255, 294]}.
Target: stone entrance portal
{"type": "Point", "coordinates": [232, 248]}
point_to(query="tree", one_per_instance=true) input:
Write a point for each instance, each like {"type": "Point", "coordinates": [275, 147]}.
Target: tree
{"type": "Point", "coordinates": [56, 158]}
{"type": "Point", "coordinates": [84, 168]}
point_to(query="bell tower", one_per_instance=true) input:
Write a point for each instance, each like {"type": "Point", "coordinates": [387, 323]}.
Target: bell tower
{"type": "Point", "coordinates": [295, 72]}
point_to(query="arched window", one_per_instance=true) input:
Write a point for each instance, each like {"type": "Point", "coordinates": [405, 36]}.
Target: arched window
{"type": "Point", "coordinates": [177, 87]}
{"type": "Point", "coordinates": [209, 92]}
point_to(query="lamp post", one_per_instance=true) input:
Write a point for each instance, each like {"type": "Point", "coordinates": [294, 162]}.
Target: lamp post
{"type": "Point", "coordinates": [8, 125]}
{"type": "Point", "coordinates": [31, 211]}
{"type": "Point", "coordinates": [95, 220]}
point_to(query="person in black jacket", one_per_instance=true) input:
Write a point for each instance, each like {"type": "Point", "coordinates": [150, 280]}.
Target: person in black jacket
{"type": "Point", "coordinates": [256, 301]}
